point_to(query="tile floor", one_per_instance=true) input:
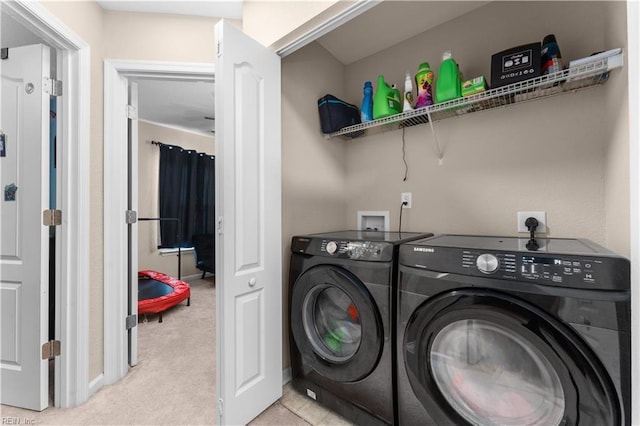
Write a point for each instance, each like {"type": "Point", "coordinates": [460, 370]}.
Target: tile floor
{"type": "Point", "coordinates": [296, 409]}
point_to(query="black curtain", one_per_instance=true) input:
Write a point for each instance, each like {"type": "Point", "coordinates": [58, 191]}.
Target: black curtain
{"type": "Point", "coordinates": [186, 192]}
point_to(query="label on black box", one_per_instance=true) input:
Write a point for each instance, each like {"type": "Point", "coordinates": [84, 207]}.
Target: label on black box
{"type": "Point", "coordinates": [517, 61]}
{"type": "Point", "coordinates": [515, 64]}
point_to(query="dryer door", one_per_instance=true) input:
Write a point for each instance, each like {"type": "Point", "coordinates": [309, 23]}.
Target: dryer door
{"type": "Point", "coordinates": [485, 358]}
{"type": "Point", "coordinates": [335, 323]}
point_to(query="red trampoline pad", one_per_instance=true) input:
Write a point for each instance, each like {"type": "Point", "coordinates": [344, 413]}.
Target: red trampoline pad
{"type": "Point", "coordinates": [155, 305]}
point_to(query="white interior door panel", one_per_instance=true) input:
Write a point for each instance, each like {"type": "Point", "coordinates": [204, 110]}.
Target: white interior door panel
{"type": "Point", "coordinates": [248, 247]}
{"type": "Point", "coordinates": [24, 274]}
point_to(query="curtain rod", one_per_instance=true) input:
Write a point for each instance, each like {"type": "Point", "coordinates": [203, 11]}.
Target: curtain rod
{"type": "Point", "coordinates": [185, 149]}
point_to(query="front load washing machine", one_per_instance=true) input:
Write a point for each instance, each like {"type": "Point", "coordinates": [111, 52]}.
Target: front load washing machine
{"type": "Point", "coordinates": [491, 333]}
{"type": "Point", "coordinates": [343, 287]}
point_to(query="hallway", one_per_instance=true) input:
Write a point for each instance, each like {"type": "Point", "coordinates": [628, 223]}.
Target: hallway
{"type": "Point", "coordinates": [174, 381]}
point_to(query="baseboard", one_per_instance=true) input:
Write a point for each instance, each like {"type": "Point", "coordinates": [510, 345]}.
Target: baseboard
{"type": "Point", "coordinates": [192, 277]}
{"type": "Point", "coordinates": [286, 376]}
{"type": "Point", "coordinates": [96, 384]}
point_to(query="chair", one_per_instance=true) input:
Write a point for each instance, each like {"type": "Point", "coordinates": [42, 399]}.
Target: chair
{"type": "Point", "coordinates": [204, 247]}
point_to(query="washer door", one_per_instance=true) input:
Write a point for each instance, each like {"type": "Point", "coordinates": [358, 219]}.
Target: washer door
{"type": "Point", "coordinates": [485, 358]}
{"type": "Point", "coordinates": [335, 323]}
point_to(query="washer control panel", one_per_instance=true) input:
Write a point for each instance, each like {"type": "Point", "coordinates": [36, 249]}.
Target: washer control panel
{"type": "Point", "coordinates": [373, 251]}
{"type": "Point", "coordinates": [356, 250]}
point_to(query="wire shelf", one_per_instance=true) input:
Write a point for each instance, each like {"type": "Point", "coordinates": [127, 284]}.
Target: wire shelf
{"type": "Point", "coordinates": [568, 80]}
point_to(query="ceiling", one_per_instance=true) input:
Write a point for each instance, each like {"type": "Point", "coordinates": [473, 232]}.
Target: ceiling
{"type": "Point", "coordinates": [378, 28]}
{"type": "Point", "coordinates": [184, 105]}
{"type": "Point", "coordinates": [178, 104]}
{"type": "Point", "coordinates": [231, 9]}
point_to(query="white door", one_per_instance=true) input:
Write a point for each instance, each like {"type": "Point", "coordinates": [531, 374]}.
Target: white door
{"type": "Point", "coordinates": [248, 243]}
{"type": "Point", "coordinates": [24, 249]}
{"type": "Point", "coordinates": [132, 206]}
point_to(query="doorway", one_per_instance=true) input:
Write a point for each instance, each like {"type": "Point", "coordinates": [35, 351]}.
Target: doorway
{"type": "Point", "coordinates": [120, 347]}
{"type": "Point", "coordinates": [175, 160]}
{"type": "Point", "coordinates": [26, 24]}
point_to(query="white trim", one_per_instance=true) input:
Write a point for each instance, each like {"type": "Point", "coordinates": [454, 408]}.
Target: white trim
{"type": "Point", "coordinates": [179, 71]}
{"type": "Point", "coordinates": [179, 128]}
{"type": "Point", "coordinates": [633, 59]}
{"type": "Point", "coordinates": [72, 312]}
{"type": "Point", "coordinates": [115, 226]}
{"type": "Point", "coordinates": [286, 376]}
{"type": "Point", "coordinates": [174, 251]}
{"type": "Point", "coordinates": [96, 384]}
{"type": "Point", "coordinates": [116, 75]}
{"type": "Point", "coordinates": [189, 278]}
{"type": "Point", "coordinates": [356, 9]}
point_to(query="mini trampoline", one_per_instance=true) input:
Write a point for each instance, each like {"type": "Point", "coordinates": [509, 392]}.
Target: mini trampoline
{"type": "Point", "coordinates": [158, 292]}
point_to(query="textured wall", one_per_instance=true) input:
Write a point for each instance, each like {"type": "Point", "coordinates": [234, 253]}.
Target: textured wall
{"type": "Point", "coordinates": [562, 155]}
{"type": "Point", "coordinates": [132, 36]}
{"type": "Point", "coordinates": [313, 168]}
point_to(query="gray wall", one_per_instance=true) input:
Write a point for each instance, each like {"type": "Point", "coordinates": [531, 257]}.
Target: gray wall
{"type": "Point", "coordinates": [564, 155]}
{"type": "Point", "coordinates": [313, 168]}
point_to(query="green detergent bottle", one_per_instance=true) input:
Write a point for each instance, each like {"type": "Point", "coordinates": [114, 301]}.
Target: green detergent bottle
{"type": "Point", "coordinates": [387, 100]}
{"type": "Point", "coordinates": [448, 80]}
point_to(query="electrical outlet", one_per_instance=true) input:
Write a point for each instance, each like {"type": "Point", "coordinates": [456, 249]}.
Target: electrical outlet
{"type": "Point", "coordinates": [540, 216]}
{"type": "Point", "coordinates": [405, 197]}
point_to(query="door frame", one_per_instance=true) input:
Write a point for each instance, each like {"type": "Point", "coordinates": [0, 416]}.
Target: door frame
{"type": "Point", "coordinates": [116, 75]}
{"type": "Point", "coordinates": [633, 60]}
{"type": "Point", "coordinates": [71, 382]}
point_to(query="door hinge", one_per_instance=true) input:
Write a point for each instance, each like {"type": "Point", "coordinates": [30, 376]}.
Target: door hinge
{"type": "Point", "coordinates": [131, 216]}
{"type": "Point", "coordinates": [220, 407]}
{"type": "Point", "coordinates": [132, 112]}
{"type": "Point", "coordinates": [52, 217]}
{"type": "Point", "coordinates": [52, 87]}
{"type": "Point", "coordinates": [220, 221]}
{"type": "Point", "coordinates": [51, 349]}
{"type": "Point", "coordinates": [4, 53]}
{"type": "Point", "coordinates": [131, 321]}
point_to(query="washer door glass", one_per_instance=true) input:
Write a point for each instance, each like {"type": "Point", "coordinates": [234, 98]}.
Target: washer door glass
{"type": "Point", "coordinates": [332, 323]}
{"type": "Point", "coordinates": [493, 376]}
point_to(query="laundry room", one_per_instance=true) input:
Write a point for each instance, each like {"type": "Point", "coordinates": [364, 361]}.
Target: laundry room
{"type": "Point", "coordinates": [566, 155]}
{"type": "Point", "coordinates": [562, 153]}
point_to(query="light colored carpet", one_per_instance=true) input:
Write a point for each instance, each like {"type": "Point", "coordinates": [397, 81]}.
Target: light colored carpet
{"type": "Point", "coordinates": [174, 381]}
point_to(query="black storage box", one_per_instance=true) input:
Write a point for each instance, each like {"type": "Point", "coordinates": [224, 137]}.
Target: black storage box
{"type": "Point", "coordinates": [336, 114]}
{"type": "Point", "coordinates": [515, 64]}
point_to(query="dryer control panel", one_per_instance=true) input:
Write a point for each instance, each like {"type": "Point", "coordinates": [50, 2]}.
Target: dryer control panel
{"type": "Point", "coordinates": [593, 271]}
{"type": "Point", "coordinates": [566, 271]}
